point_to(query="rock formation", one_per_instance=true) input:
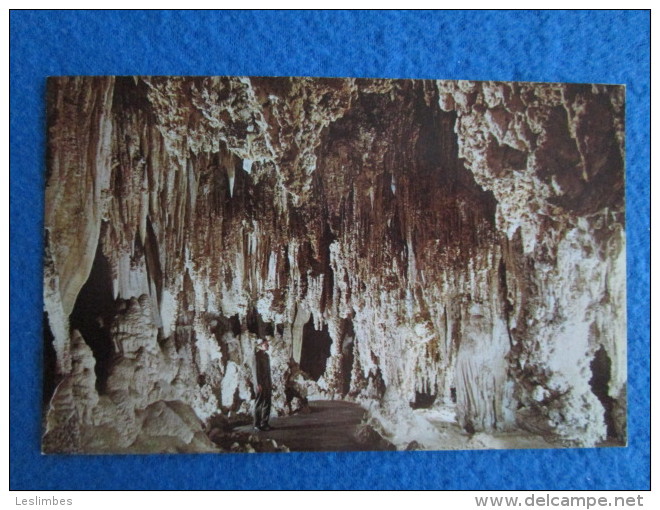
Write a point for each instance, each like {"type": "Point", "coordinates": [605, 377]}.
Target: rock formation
{"type": "Point", "coordinates": [408, 245]}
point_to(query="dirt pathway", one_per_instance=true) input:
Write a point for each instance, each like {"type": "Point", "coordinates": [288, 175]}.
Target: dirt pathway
{"type": "Point", "coordinates": [329, 426]}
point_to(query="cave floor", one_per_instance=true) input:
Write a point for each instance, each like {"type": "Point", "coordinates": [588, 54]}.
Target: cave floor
{"type": "Point", "coordinates": [334, 426]}
{"type": "Point", "coordinates": [450, 436]}
{"type": "Point", "coordinates": [329, 426]}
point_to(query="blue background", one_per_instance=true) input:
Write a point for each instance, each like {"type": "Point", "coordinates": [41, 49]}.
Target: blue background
{"type": "Point", "coordinates": [604, 47]}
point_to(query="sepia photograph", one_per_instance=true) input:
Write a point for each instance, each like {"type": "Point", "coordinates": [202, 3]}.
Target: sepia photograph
{"type": "Point", "coordinates": [281, 264]}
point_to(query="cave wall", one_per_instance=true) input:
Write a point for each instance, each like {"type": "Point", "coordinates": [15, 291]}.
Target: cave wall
{"type": "Point", "coordinates": [451, 238]}
{"type": "Point", "coordinates": [562, 210]}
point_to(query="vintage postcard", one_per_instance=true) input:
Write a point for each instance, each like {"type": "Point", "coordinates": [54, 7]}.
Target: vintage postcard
{"type": "Point", "coordinates": [250, 264]}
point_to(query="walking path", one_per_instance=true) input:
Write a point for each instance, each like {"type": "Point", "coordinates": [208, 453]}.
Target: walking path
{"type": "Point", "coordinates": [336, 426]}
{"type": "Point", "coordinates": [329, 426]}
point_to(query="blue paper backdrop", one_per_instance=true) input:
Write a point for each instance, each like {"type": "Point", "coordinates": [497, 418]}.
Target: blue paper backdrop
{"type": "Point", "coordinates": [605, 47]}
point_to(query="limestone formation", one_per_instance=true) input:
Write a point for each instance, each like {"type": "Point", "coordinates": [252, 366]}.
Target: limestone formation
{"type": "Point", "coordinates": [450, 255]}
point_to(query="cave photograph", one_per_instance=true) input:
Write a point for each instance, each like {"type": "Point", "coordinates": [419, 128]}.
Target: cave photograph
{"type": "Point", "coordinates": [253, 264]}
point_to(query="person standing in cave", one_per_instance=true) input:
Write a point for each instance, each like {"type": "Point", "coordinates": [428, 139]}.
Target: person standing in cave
{"type": "Point", "coordinates": [264, 387]}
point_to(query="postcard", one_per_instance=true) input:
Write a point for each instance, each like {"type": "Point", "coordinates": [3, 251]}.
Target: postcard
{"type": "Point", "coordinates": [254, 264]}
